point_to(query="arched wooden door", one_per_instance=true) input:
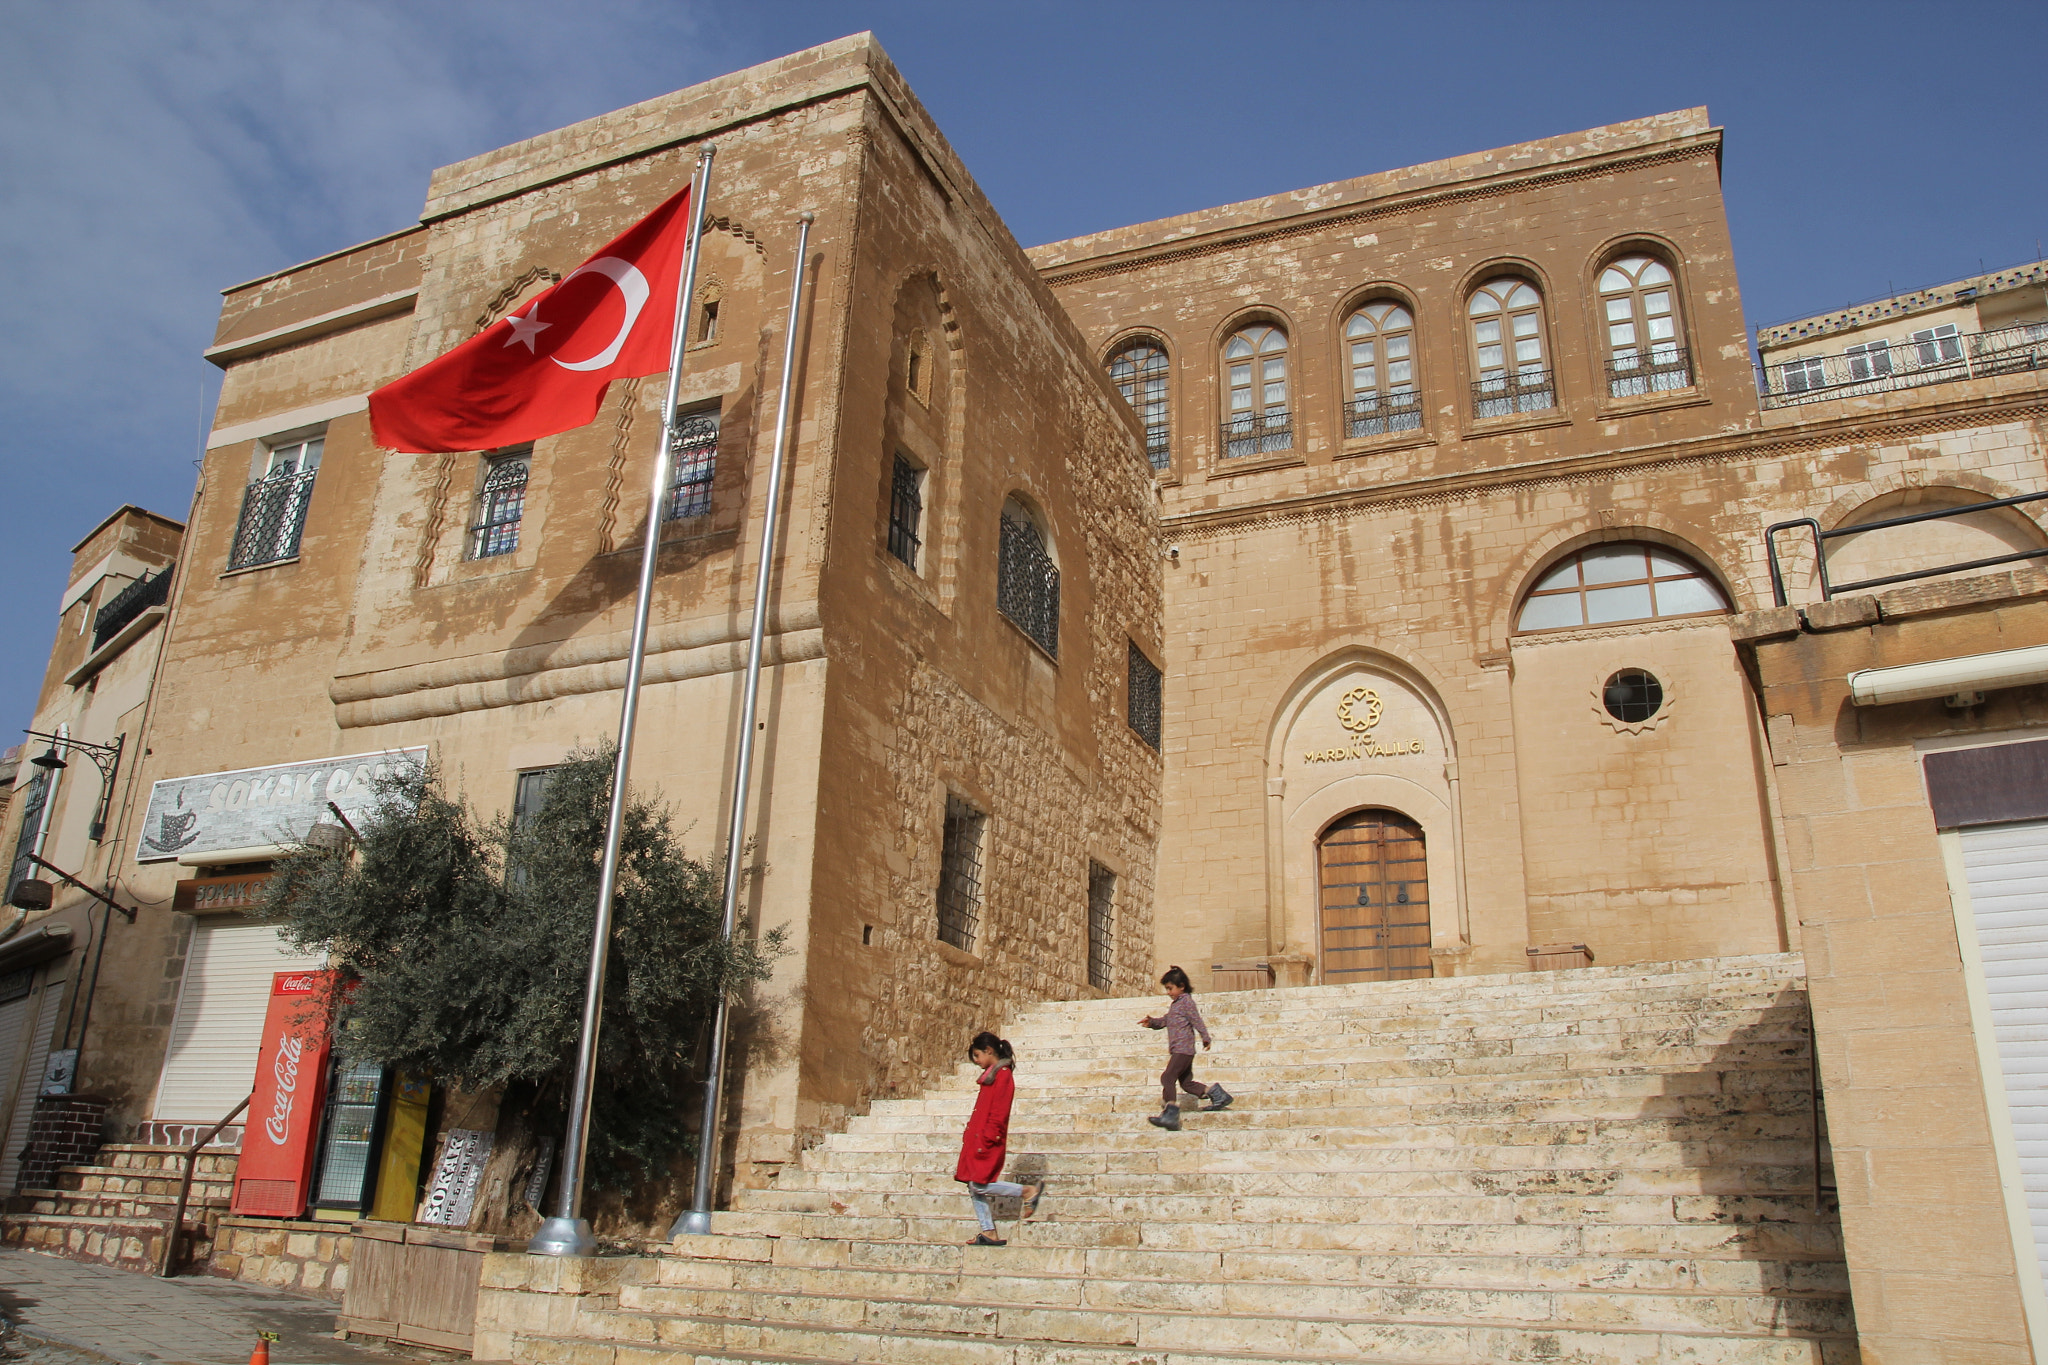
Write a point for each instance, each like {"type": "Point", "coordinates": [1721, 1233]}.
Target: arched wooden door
{"type": "Point", "coordinates": [1375, 899]}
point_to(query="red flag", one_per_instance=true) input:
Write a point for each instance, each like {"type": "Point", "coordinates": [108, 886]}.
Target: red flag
{"type": "Point", "coordinates": [545, 368]}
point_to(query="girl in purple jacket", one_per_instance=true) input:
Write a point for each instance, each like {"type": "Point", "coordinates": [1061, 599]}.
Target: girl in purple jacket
{"type": "Point", "coordinates": [1182, 1021]}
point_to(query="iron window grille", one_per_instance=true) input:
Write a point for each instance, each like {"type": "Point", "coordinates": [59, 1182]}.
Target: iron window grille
{"type": "Point", "coordinates": [1383, 414]}
{"type": "Point", "coordinates": [1638, 375]}
{"type": "Point", "coordinates": [960, 859]}
{"type": "Point", "coordinates": [273, 518]}
{"type": "Point", "coordinates": [150, 590]}
{"type": "Point", "coordinates": [1139, 372]}
{"type": "Point", "coordinates": [1101, 905]}
{"type": "Point", "coordinates": [1258, 433]}
{"type": "Point", "coordinates": [35, 796]}
{"type": "Point", "coordinates": [1632, 696]}
{"type": "Point", "coordinates": [693, 452]}
{"type": "Point", "coordinates": [1504, 395]}
{"type": "Point", "coordinates": [906, 511]}
{"type": "Point", "coordinates": [500, 504]}
{"type": "Point", "coordinates": [1141, 705]}
{"type": "Point", "coordinates": [1028, 583]}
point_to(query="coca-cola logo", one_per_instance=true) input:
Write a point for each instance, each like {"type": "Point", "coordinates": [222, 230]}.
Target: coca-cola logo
{"type": "Point", "coordinates": [297, 985]}
{"type": "Point", "coordinates": [284, 1067]}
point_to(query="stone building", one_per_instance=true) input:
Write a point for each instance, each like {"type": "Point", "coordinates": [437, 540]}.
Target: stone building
{"type": "Point", "coordinates": [967, 569]}
{"type": "Point", "coordinates": [1399, 526]}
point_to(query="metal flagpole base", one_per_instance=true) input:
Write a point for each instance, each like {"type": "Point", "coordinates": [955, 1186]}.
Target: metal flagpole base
{"type": "Point", "coordinates": [697, 1223]}
{"type": "Point", "coordinates": [563, 1237]}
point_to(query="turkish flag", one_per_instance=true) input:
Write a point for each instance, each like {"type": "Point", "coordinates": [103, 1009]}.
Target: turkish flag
{"type": "Point", "coordinates": [545, 368]}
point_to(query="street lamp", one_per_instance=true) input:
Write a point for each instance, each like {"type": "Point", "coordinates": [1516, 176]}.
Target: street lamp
{"type": "Point", "coordinates": [105, 757]}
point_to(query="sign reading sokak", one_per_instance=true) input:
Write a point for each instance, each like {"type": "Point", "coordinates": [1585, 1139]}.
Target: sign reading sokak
{"type": "Point", "coordinates": [256, 807]}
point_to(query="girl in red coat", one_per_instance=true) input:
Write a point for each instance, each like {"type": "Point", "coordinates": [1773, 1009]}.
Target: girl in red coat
{"type": "Point", "coordinates": [984, 1144]}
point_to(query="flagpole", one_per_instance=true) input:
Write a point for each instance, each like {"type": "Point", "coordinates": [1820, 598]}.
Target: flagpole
{"type": "Point", "coordinates": [567, 1233]}
{"type": "Point", "coordinates": [698, 1219]}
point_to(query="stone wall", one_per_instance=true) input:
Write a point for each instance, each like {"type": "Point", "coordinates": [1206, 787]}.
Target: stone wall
{"type": "Point", "coordinates": [1924, 1219]}
{"type": "Point", "coordinates": [304, 1256]}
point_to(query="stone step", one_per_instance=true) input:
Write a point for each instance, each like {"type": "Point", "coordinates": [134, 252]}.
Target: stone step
{"type": "Point", "coordinates": [154, 1157]}
{"type": "Point", "coordinates": [1101, 1310]}
{"type": "Point", "coordinates": [1514, 1208]}
{"type": "Point", "coordinates": [1788, 1176]}
{"type": "Point", "coordinates": [1477, 1347]}
{"type": "Point", "coordinates": [1717, 1019]}
{"type": "Point", "coordinates": [781, 1265]}
{"type": "Point", "coordinates": [139, 1207]}
{"type": "Point", "coordinates": [1698, 1231]}
{"type": "Point", "coordinates": [126, 1243]}
{"type": "Point", "coordinates": [129, 1180]}
{"type": "Point", "coordinates": [1398, 1325]}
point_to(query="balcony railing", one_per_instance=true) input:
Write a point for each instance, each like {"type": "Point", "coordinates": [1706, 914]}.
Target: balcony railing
{"type": "Point", "coordinates": [273, 516]}
{"type": "Point", "coordinates": [124, 606]}
{"type": "Point", "coordinates": [1641, 376]}
{"type": "Point", "coordinates": [1258, 433]}
{"type": "Point", "coordinates": [1383, 414]}
{"type": "Point", "coordinates": [1906, 364]}
{"type": "Point", "coordinates": [1504, 395]}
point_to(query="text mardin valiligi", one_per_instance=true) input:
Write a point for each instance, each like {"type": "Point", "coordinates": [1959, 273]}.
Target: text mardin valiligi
{"type": "Point", "coordinates": [1364, 747]}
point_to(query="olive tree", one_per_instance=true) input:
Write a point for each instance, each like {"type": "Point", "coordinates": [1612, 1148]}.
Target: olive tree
{"type": "Point", "coordinates": [466, 944]}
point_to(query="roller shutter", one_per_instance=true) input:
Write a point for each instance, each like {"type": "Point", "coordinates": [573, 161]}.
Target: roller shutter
{"type": "Point", "coordinates": [2007, 868]}
{"type": "Point", "coordinates": [45, 1011]}
{"type": "Point", "coordinates": [211, 1063]}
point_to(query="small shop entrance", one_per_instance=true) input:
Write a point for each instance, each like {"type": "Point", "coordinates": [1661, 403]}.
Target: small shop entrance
{"type": "Point", "coordinates": [1375, 899]}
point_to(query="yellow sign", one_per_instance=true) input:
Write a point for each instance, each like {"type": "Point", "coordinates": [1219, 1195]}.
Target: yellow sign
{"type": "Point", "coordinates": [1358, 711]}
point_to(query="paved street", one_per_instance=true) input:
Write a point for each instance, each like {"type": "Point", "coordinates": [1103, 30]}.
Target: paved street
{"type": "Point", "coordinates": [63, 1308]}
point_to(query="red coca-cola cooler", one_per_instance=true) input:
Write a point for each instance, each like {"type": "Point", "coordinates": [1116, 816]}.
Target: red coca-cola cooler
{"type": "Point", "coordinates": [281, 1131]}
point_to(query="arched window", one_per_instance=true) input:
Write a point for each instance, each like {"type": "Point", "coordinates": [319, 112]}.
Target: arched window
{"type": "Point", "coordinates": [1139, 373]}
{"type": "Point", "coordinates": [1255, 378]}
{"type": "Point", "coordinates": [500, 504]}
{"type": "Point", "coordinates": [1639, 301]}
{"type": "Point", "coordinates": [1508, 351]}
{"type": "Point", "coordinates": [1027, 580]}
{"type": "Point", "coordinates": [1381, 341]}
{"type": "Point", "coordinates": [1630, 580]}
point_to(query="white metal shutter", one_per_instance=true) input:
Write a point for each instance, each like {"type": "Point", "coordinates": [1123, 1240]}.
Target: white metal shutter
{"type": "Point", "coordinates": [31, 1080]}
{"type": "Point", "coordinates": [14, 1017]}
{"type": "Point", "coordinates": [2007, 867]}
{"type": "Point", "coordinates": [211, 1064]}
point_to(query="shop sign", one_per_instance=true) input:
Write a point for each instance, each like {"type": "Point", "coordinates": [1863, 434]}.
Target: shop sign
{"type": "Point", "coordinates": [451, 1198]}
{"type": "Point", "coordinates": [206, 895]}
{"type": "Point", "coordinates": [256, 807]}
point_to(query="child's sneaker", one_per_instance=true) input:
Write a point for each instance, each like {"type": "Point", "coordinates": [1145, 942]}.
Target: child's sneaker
{"type": "Point", "coordinates": [1219, 1098]}
{"type": "Point", "coordinates": [1167, 1118]}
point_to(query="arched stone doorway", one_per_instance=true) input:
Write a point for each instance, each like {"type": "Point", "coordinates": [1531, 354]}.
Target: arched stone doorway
{"type": "Point", "coordinates": [1362, 733]}
{"type": "Point", "coordinates": [1374, 910]}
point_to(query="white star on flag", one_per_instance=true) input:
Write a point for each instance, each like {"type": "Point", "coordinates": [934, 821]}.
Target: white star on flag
{"type": "Point", "coordinates": [525, 329]}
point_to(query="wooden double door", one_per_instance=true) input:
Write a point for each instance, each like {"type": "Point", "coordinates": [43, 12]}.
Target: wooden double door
{"type": "Point", "coordinates": [1374, 905]}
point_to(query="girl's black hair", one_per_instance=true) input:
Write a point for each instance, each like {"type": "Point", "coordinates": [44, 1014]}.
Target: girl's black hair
{"type": "Point", "coordinates": [988, 1042]}
{"type": "Point", "coordinates": [1176, 977]}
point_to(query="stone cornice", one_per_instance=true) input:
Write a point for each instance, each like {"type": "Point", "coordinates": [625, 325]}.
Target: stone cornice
{"type": "Point", "coordinates": [1314, 508]}
{"type": "Point", "coordinates": [1399, 202]}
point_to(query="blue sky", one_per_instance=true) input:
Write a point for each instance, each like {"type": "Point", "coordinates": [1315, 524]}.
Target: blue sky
{"type": "Point", "coordinates": [151, 154]}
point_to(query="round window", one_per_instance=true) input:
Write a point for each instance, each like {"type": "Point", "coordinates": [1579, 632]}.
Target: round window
{"type": "Point", "coordinates": [1632, 695]}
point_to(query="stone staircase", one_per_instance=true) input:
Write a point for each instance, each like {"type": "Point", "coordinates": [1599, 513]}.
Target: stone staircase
{"type": "Point", "coordinates": [1609, 1166]}
{"type": "Point", "coordinates": [116, 1211]}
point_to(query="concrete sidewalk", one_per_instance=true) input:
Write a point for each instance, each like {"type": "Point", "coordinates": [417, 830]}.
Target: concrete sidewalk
{"type": "Point", "coordinates": [138, 1318]}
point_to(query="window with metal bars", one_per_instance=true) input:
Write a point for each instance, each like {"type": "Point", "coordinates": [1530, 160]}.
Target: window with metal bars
{"type": "Point", "coordinates": [274, 507]}
{"type": "Point", "coordinates": [1101, 904]}
{"type": "Point", "coordinates": [1139, 372]}
{"type": "Point", "coordinates": [500, 504]}
{"type": "Point", "coordinates": [1141, 703]}
{"type": "Point", "coordinates": [693, 456]}
{"type": "Point", "coordinates": [906, 511]}
{"type": "Point", "coordinates": [1027, 581]}
{"type": "Point", "coordinates": [960, 859]}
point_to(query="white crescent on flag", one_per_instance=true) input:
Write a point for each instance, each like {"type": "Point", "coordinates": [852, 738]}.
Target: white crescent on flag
{"type": "Point", "coordinates": [632, 288]}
